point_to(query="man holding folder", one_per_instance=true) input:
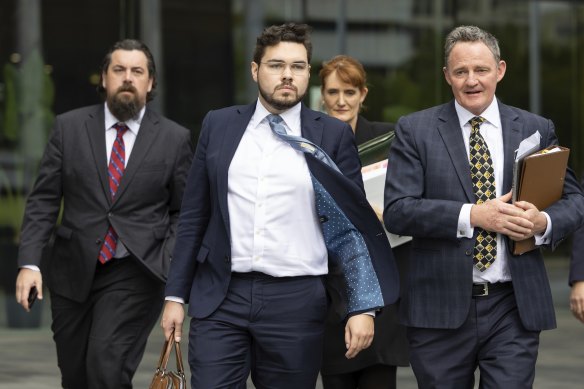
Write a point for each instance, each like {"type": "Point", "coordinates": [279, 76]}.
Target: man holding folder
{"type": "Point", "coordinates": [469, 301]}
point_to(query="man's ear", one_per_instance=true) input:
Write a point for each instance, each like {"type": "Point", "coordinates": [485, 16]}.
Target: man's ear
{"type": "Point", "coordinates": [254, 71]}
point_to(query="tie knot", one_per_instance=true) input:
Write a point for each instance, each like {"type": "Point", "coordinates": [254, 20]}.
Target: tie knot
{"type": "Point", "coordinates": [121, 128]}
{"type": "Point", "coordinates": [276, 124]}
{"type": "Point", "coordinates": [476, 122]}
{"type": "Point", "coordinates": [274, 119]}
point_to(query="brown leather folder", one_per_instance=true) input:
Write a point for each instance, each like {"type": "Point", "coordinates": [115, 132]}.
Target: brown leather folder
{"type": "Point", "coordinates": [541, 183]}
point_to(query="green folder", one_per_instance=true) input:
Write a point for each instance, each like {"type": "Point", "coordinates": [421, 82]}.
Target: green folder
{"type": "Point", "coordinates": [376, 149]}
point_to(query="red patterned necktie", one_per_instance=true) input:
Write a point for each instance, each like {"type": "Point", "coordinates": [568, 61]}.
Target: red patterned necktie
{"type": "Point", "coordinates": [115, 172]}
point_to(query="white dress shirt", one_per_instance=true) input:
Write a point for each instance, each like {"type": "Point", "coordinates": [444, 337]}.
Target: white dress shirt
{"type": "Point", "coordinates": [492, 133]}
{"type": "Point", "coordinates": [272, 214]}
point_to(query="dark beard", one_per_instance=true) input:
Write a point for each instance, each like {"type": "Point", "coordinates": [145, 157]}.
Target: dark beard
{"type": "Point", "coordinates": [122, 107]}
{"type": "Point", "coordinates": [280, 105]}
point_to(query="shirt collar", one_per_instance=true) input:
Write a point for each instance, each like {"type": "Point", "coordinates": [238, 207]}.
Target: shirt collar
{"type": "Point", "coordinates": [133, 124]}
{"type": "Point", "coordinates": [491, 114]}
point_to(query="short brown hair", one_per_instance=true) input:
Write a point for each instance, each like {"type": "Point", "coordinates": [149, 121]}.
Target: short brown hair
{"type": "Point", "coordinates": [348, 70]}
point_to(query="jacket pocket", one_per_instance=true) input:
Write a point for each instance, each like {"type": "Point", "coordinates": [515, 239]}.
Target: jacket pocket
{"type": "Point", "coordinates": [159, 232]}
{"type": "Point", "coordinates": [64, 232]}
{"type": "Point", "coordinates": [202, 254]}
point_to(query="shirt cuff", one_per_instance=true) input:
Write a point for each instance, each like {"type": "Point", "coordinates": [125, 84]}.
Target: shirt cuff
{"type": "Point", "coordinates": [465, 230]}
{"type": "Point", "coordinates": [175, 299]}
{"type": "Point", "coordinates": [31, 267]}
{"type": "Point", "coordinates": [545, 238]}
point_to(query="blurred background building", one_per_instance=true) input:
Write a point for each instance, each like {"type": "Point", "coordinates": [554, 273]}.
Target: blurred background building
{"type": "Point", "coordinates": [50, 53]}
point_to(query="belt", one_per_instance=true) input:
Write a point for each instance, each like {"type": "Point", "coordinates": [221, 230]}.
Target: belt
{"type": "Point", "coordinates": [486, 288]}
{"type": "Point", "coordinates": [256, 275]}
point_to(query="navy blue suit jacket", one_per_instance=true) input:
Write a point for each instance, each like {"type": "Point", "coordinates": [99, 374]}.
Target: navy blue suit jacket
{"type": "Point", "coordinates": [427, 183]}
{"type": "Point", "coordinates": [201, 268]}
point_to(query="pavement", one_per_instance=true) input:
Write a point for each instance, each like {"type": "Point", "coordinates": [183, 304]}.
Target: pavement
{"type": "Point", "coordinates": [29, 360]}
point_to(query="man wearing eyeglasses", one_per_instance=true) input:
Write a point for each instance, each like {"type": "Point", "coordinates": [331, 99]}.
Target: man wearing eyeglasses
{"type": "Point", "coordinates": [274, 206]}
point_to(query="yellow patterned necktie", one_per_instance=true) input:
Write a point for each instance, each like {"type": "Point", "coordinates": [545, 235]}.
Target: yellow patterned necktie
{"type": "Point", "coordinates": [483, 182]}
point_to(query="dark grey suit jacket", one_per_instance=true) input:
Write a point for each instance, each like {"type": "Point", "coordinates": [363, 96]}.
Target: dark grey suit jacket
{"type": "Point", "coordinates": [427, 183]}
{"type": "Point", "coordinates": [577, 257]}
{"type": "Point", "coordinates": [73, 173]}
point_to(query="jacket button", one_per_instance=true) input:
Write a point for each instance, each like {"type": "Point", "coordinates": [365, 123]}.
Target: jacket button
{"type": "Point", "coordinates": [98, 241]}
{"type": "Point", "coordinates": [468, 252]}
{"type": "Point", "coordinates": [227, 259]}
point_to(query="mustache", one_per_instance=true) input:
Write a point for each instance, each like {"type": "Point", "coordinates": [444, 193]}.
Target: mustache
{"type": "Point", "coordinates": [287, 85]}
{"type": "Point", "coordinates": [127, 88]}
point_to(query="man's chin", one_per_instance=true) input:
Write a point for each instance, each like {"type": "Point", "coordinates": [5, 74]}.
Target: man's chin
{"type": "Point", "coordinates": [125, 97]}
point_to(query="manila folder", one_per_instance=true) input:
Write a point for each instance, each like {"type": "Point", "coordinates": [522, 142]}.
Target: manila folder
{"type": "Point", "coordinates": [541, 183]}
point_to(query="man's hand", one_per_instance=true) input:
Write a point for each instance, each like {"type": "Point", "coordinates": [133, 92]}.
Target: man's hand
{"type": "Point", "coordinates": [172, 319]}
{"type": "Point", "coordinates": [499, 216]}
{"type": "Point", "coordinates": [533, 214]}
{"type": "Point", "coordinates": [577, 300]}
{"type": "Point", "coordinates": [358, 334]}
{"type": "Point", "coordinates": [25, 280]}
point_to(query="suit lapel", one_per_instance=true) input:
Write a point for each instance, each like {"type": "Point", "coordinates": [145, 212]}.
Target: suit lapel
{"type": "Point", "coordinates": [95, 128]}
{"type": "Point", "coordinates": [310, 127]}
{"type": "Point", "coordinates": [512, 135]}
{"type": "Point", "coordinates": [232, 135]}
{"type": "Point", "coordinates": [149, 130]}
{"type": "Point", "coordinates": [449, 129]}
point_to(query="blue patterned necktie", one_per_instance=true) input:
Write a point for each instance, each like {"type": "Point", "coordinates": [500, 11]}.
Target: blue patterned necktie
{"type": "Point", "coordinates": [299, 143]}
{"type": "Point", "coordinates": [348, 253]}
{"type": "Point", "coordinates": [483, 182]}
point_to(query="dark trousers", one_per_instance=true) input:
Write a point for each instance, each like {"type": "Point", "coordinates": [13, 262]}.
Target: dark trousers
{"type": "Point", "coordinates": [492, 338]}
{"type": "Point", "coordinates": [273, 327]}
{"type": "Point", "coordinates": [100, 342]}
{"type": "Point", "coordinates": [372, 377]}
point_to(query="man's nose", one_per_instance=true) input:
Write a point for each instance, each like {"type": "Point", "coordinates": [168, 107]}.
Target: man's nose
{"type": "Point", "coordinates": [471, 79]}
{"type": "Point", "coordinates": [287, 73]}
{"type": "Point", "coordinates": [128, 75]}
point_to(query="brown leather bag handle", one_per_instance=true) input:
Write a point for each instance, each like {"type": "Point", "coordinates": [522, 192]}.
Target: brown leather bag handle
{"type": "Point", "coordinates": [165, 355]}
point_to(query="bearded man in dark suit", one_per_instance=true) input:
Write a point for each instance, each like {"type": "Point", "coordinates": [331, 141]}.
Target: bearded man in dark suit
{"type": "Point", "coordinates": [117, 172]}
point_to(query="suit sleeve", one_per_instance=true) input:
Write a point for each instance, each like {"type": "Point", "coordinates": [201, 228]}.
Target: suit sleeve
{"type": "Point", "coordinates": [43, 203]}
{"type": "Point", "coordinates": [566, 214]}
{"type": "Point", "coordinates": [577, 257]}
{"type": "Point", "coordinates": [407, 208]}
{"type": "Point", "coordinates": [182, 163]}
{"type": "Point", "coordinates": [193, 221]}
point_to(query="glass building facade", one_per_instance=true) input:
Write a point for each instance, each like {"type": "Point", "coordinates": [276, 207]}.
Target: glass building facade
{"type": "Point", "coordinates": [50, 53]}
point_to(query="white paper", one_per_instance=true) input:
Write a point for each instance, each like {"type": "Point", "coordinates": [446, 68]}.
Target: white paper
{"type": "Point", "coordinates": [528, 146]}
{"type": "Point", "coordinates": [374, 182]}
